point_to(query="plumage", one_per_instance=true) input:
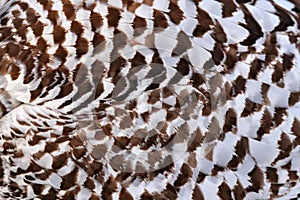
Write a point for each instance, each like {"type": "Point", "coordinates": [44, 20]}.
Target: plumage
{"type": "Point", "coordinates": [153, 99]}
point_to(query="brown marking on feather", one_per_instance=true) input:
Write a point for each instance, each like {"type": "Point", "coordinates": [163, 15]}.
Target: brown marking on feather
{"type": "Point", "coordinates": [59, 34]}
{"type": "Point", "coordinates": [6, 32]}
{"type": "Point", "coordinates": [270, 49]}
{"type": "Point", "coordinates": [70, 194]}
{"type": "Point", "coordinates": [146, 195]}
{"type": "Point", "coordinates": [183, 67]}
{"type": "Point", "coordinates": [175, 13]}
{"type": "Point", "coordinates": [38, 29]}
{"type": "Point", "coordinates": [44, 175]}
{"type": "Point", "coordinates": [53, 16]}
{"type": "Point", "coordinates": [170, 192]}
{"type": "Point", "coordinates": [139, 25]}
{"type": "Point", "coordinates": [69, 180]}
{"type": "Point", "coordinates": [24, 6]}
{"type": "Point", "coordinates": [216, 170]}
{"type": "Point", "coordinates": [76, 142]}
{"type": "Point", "coordinates": [42, 44]}
{"type": "Point", "coordinates": [148, 2]}
{"type": "Point", "coordinates": [133, 6]}
{"type": "Point", "coordinates": [252, 26]}
{"type": "Point", "coordinates": [36, 139]}
{"type": "Point", "coordinates": [284, 19]}
{"type": "Point", "coordinates": [197, 80]}
{"type": "Point", "coordinates": [205, 23]}
{"type": "Point", "coordinates": [278, 72]}
{"type": "Point", "coordinates": [122, 142]}
{"type": "Point", "coordinates": [31, 16]}
{"type": "Point", "coordinates": [264, 89]}
{"type": "Point", "coordinates": [296, 127]}
{"type": "Point", "coordinates": [68, 9]}
{"type": "Point", "coordinates": [160, 20]}
{"type": "Point", "coordinates": [124, 194]}
{"type": "Point", "coordinates": [257, 180]}
{"type": "Point", "coordinates": [241, 149]}
{"type": "Point", "coordinates": [36, 93]}
{"type": "Point", "coordinates": [217, 53]}
{"type": "Point", "coordinates": [184, 175]}
{"type": "Point", "coordinates": [224, 191]}
{"type": "Point", "coordinates": [145, 116]}
{"type": "Point", "coordinates": [61, 53]}
{"type": "Point", "coordinates": [293, 175]}
{"type": "Point", "coordinates": [266, 124]}
{"type": "Point", "coordinates": [287, 61]}
{"type": "Point", "coordinates": [8, 145]}
{"type": "Point", "coordinates": [219, 34]}
{"type": "Point", "coordinates": [109, 188]}
{"type": "Point", "coordinates": [113, 17]}
{"type": "Point", "coordinates": [228, 8]}
{"type": "Point", "coordinates": [197, 193]}
{"type": "Point", "coordinates": [239, 86]}
{"type": "Point", "coordinates": [116, 66]}
{"type": "Point", "coordinates": [99, 42]}
{"type": "Point", "coordinates": [294, 98]}
{"type": "Point", "coordinates": [89, 183]}
{"type": "Point", "coordinates": [197, 140]}
{"type": "Point", "coordinates": [77, 28]}
{"type": "Point", "coordinates": [65, 90]}
{"type": "Point", "coordinates": [96, 20]}
{"type": "Point", "coordinates": [122, 176]}
{"type": "Point", "coordinates": [275, 187]}
{"type": "Point", "coordinates": [271, 174]}
{"type": "Point", "coordinates": [82, 46]}
{"type": "Point", "coordinates": [230, 120]}
{"type": "Point", "coordinates": [138, 60]}
{"type": "Point", "coordinates": [50, 147]}
{"type": "Point", "coordinates": [44, 58]}
{"type": "Point", "coordinates": [37, 188]}
{"type": "Point", "coordinates": [13, 49]}
{"type": "Point", "coordinates": [154, 96]}
{"type": "Point", "coordinates": [60, 160]}
{"type": "Point", "coordinates": [238, 191]}
{"type": "Point", "coordinates": [46, 4]}
{"type": "Point", "coordinates": [94, 168]}
{"type": "Point", "coordinates": [279, 116]}
{"type": "Point", "coordinates": [15, 72]}
{"type": "Point", "coordinates": [22, 29]}
{"type": "Point", "coordinates": [172, 115]}
{"type": "Point", "coordinates": [94, 197]}
{"type": "Point", "coordinates": [231, 57]}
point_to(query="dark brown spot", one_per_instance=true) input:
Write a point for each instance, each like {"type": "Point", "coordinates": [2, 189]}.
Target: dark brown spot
{"type": "Point", "coordinates": [175, 13]}
{"type": "Point", "coordinates": [197, 193]}
{"type": "Point", "coordinates": [113, 17]}
{"type": "Point", "coordinates": [224, 191]}
{"type": "Point", "coordinates": [160, 21]}
{"type": "Point", "coordinates": [59, 35]}
{"type": "Point", "coordinates": [124, 194]}
{"type": "Point", "coordinates": [60, 161]}
{"type": "Point", "coordinates": [82, 46]}
{"type": "Point", "coordinates": [68, 9]}
{"type": "Point", "coordinates": [257, 180]}
{"type": "Point", "coordinates": [96, 20]}
{"type": "Point", "coordinates": [69, 180]}
{"type": "Point", "coordinates": [77, 28]}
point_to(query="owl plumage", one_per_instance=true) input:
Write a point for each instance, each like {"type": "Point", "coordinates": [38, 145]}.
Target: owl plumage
{"type": "Point", "coordinates": [149, 99]}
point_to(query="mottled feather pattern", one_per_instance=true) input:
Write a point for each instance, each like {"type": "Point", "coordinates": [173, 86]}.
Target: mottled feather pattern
{"type": "Point", "coordinates": [149, 99]}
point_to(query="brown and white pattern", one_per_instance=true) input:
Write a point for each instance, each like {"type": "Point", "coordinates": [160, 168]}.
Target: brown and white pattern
{"type": "Point", "coordinates": [149, 99]}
